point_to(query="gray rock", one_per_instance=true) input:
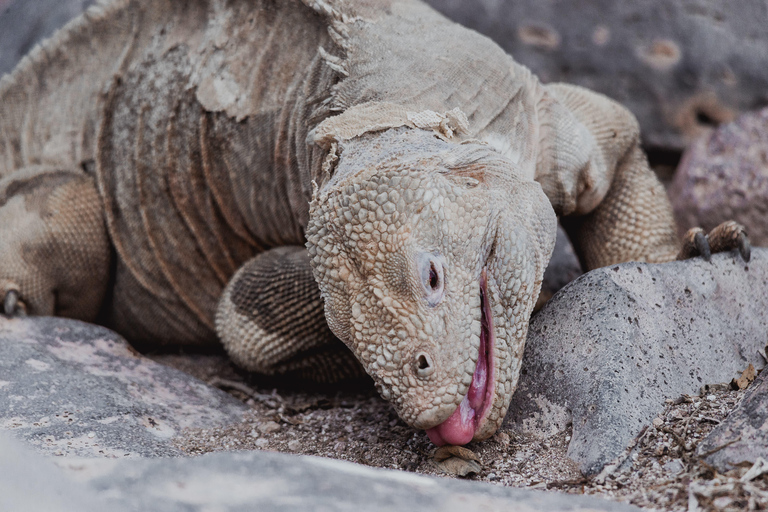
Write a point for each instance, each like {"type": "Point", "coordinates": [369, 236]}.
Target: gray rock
{"type": "Point", "coordinates": [743, 435]}
{"type": "Point", "coordinates": [72, 388]}
{"type": "Point", "coordinates": [679, 66]}
{"type": "Point", "coordinates": [30, 482]}
{"type": "Point", "coordinates": [610, 347]}
{"type": "Point", "coordinates": [246, 481]}
{"type": "Point", "coordinates": [674, 466]}
{"type": "Point", "coordinates": [724, 176]}
{"type": "Point", "coordinates": [24, 23]}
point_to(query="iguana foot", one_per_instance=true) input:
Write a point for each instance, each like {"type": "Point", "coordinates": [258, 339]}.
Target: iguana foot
{"type": "Point", "coordinates": [725, 237]}
{"type": "Point", "coordinates": [270, 320]}
{"type": "Point", "coordinates": [12, 304]}
{"type": "Point", "coordinates": [54, 248]}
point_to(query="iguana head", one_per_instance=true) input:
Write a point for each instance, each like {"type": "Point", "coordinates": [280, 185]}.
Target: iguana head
{"type": "Point", "coordinates": [429, 255]}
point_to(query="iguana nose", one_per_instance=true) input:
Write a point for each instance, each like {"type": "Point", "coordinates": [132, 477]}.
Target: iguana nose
{"type": "Point", "coordinates": [424, 365]}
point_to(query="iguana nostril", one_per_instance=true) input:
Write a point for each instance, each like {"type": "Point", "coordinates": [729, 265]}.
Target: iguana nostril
{"type": "Point", "coordinates": [424, 366]}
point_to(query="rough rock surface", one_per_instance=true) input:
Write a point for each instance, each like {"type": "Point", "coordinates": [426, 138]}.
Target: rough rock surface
{"type": "Point", "coordinates": [253, 481]}
{"type": "Point", "coordinates": [724, 176]}
{"type": "Point", "coordinates": [679, 66]}
{"type": "Point", "coordinates": [73, 388]}
{"type": "Point", "coordinates": [743, 436]}
{"type": "Point", "coordinates": [610, 347]}
{"type": "Point", "coordinates": [24, 23]}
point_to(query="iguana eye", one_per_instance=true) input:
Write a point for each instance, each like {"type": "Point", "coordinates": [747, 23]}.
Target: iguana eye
{"type": "Point", "coordinates": [432, 277]}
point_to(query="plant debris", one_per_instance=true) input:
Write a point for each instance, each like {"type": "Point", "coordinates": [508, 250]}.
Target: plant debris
{"type": "Point", "coordinates": [457, 460]}
{"type": "Point", "coordinates": [660, 470]}
{"type": "Point", "coordinates": [747, 376]}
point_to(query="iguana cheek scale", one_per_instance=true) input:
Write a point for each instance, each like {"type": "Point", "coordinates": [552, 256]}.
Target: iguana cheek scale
{"type": "Point", "coordinates": [462, 425]}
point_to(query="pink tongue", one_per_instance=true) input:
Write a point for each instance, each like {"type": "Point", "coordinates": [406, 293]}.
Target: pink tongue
{"type": "Point", "coordinates": [460, 426]}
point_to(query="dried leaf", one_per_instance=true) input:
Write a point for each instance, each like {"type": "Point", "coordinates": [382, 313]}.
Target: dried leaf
{"type": "Point", "coordinates": [456, 460]}
{"type": "Point", "coordinates": [458, 467]}
{"type": "Point", "coordinates": [446, 452]}
{"type": "Point", "coordinates": [747, 376]}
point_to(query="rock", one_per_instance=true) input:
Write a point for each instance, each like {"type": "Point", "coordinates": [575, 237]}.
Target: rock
{"type": "Point", "coordinates": [610, 347]}
{"type": "Point", "coordinates": [680, 67]}
{"type": "Point", "coordinates": [30, 482]}
{"type": "Point", "coordinates": [246, 481]}
{"type": "Point", "coordinates": [724, 176]}
{"type": "Point", "coordinates": [674, 466]}
{"type": "Point", "coordinates": [72, 388]}
{"type": "Point", "coordinates": [24, 23]}
{"type": "Point", "coordinates": [743, 436]}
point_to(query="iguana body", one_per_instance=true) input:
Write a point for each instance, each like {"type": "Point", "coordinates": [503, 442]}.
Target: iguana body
{"type": "Point", "coordinates": [151, 149]}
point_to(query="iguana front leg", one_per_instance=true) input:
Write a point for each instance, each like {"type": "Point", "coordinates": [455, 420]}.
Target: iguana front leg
{"type": "Point", "coordinates": [54, 249]}
{"type": "Point", "coordinates": [270, 319]}
{"type": "Point", "coordinates": [614, 208]}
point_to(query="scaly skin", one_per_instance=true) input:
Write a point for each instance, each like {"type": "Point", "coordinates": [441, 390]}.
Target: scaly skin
{"type": "Point", "coordinates": [162, 163]}
{"type": "Point", "coordinates": [374, 230]}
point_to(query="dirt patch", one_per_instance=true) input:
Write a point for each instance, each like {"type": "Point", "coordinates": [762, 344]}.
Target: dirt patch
{"type": "Point", "coordinates": [356, 425]}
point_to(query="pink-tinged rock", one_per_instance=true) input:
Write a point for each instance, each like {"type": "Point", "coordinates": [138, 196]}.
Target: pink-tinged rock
{"type": "Point", "coordinates": [72, 388]}
{"type": "Point", "coordinates": [724, 176]}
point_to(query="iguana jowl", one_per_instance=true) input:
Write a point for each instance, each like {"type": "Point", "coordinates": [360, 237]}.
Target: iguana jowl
{"type": "Point", "coordinates": [162, 164]}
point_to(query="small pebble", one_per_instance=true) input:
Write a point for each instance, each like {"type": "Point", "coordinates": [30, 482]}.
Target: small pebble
{"type": "Point", "coordinates": [294, 445]}
{"type": "Point", "coordinates": [711, 398]}
{"type": "Point", "coordinates": [269, 427]}
{"type": "Point", "coordinates": [261, 443]}
{"type": "Point", "coordinates": [658, 422]}
{"type": "Point", "coordinates": [91, 435]}
{"type": "Point", "coordinates": [674, 466]}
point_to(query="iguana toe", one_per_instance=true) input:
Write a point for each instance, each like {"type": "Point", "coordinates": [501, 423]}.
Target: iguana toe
{"type": "Point", "coordinates": [13, 305]}
{"type": "Point", "coordinates": [725, 237]}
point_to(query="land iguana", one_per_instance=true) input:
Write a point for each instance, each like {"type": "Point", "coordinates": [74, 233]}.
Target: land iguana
{"type": "Point", "coordinates": [163, 164]}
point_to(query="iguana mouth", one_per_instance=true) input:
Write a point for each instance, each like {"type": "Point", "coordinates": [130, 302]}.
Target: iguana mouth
{"type": "Point", "coordinates": [469, 416]}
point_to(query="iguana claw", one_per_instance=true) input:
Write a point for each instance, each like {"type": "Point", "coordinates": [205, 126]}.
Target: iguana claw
{"type": "Point", "coordinates": [12, 305]}
{"type": "Point", "coordinates": [745, 248]}
{"type": "Point", "coordinates": [725, 237]}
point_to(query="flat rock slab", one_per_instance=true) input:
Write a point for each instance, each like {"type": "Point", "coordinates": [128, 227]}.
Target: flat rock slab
{"type": "Point", "coordinates": [743, 436]}
{"type": "Point", "coordinates": [247, 481]}
{"type": "Point", "coordinates": [610, 347]}
{"type": "Point", "coordinates": [73, 388]}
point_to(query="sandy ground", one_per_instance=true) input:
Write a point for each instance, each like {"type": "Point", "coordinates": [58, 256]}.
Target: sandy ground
{"type": "Point", "coordinates": [354, 424]}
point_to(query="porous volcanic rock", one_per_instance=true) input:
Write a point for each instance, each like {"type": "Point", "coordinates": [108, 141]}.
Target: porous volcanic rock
{"type": "Point", "coordinates": [724, 176]}
{"type": "Point", "coordinates": [72, 388]}
{"type": "Point", "coordinates": [611, 346]}
{"type": "Point", "coordinates": [743, 436]}
{"type": "Point", "coordinates": [680, 67]}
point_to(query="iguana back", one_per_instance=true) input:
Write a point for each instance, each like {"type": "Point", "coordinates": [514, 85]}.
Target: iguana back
{"type": "Point", "coordinates": [192, 117]}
